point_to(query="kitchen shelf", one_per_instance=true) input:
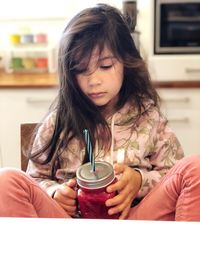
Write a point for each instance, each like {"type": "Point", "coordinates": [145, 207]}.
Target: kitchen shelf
{"type": "Point", "coordinates": [30, 58]}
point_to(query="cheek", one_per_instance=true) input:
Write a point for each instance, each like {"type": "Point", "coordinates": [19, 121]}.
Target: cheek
{"type": "Point", "coordinates": [119, 74]}
{"type": "Point", "coordinates": [120, 78]}
{"type": "Point", "coordinates": [81, 82]}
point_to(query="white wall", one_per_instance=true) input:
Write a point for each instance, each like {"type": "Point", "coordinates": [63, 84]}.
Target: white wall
{"type": "Point", "coordinates": [145, 26]}
{"type": "Point", "coordinates": [51, 16]}
{"type": "Point", "coordinates": [34, 16]}
{"type": "Point", "coordinates": [40, 9]}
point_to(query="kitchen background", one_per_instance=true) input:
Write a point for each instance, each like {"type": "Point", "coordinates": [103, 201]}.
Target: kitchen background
{"type": "Point", "coordinates": [26, 92]}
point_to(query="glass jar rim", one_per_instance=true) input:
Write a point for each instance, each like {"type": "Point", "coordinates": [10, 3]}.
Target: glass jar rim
{"type": "Point", "coordinates": [102, 177]}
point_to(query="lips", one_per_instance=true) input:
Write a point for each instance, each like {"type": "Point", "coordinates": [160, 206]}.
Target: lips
{"type": "Point", "coordinates": [96, 95]}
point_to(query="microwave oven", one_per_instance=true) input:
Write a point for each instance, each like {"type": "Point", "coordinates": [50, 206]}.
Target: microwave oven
{"type": "Point", "coordinates": [176, 26]}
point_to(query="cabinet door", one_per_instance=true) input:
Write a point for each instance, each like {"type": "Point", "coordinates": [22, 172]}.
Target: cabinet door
{"type": "Point", "coordinates": [182, 110]}
{"type": "Point", "coordinates": [16, 107]}
{"type": "Point", "coordinates": [1, 132]}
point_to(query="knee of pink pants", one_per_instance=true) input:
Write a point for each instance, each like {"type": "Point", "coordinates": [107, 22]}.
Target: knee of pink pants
{"type": "Point", "coordinates": [10, 176]}
{"type": "Point", "coordinates": [20, 196]}
{"type": "Point", "coordinates": [176, 196]}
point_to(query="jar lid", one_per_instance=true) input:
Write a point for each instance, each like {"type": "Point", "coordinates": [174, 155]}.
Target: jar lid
{"type": "Point", "coordinates": [102, 176]}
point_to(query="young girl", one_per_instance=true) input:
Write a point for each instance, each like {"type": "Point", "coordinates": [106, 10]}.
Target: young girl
{"type": "Point", "coordinates": [105, 88]}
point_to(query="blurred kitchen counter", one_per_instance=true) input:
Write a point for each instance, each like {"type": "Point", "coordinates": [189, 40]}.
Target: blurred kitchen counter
{"type": "Point", "coordinates": [50, 80]}
{"type": "Point", "coordinates": [25, 80]}
{"type": "Point", "coordinates": [176, 84]}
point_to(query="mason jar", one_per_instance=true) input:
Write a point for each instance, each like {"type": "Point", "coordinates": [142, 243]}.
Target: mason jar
{"type": "Point", "coordinates": [92, 193]}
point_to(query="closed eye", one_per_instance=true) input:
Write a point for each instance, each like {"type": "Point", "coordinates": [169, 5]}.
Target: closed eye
{"type": "Point", "coordinates": [106, 66]}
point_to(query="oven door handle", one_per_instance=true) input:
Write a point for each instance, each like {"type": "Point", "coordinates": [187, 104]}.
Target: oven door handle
{"type": "Point", "coordinates": [192, 70]}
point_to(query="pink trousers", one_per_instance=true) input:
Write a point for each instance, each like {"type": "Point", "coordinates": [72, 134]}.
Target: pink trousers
{"type": "Point", "coordinates": [175, 198]}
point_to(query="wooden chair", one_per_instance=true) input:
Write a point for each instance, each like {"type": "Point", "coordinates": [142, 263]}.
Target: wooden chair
{"type": "Point", "coordinates": [26, 129]}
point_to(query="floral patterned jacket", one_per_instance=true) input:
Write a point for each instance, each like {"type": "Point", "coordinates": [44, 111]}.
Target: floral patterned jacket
{"type": "Point", "coordinates": [151, 147]}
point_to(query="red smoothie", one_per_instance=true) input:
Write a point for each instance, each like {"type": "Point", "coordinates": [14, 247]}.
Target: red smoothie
{"type": "Point", "coordinates": [92, 193]}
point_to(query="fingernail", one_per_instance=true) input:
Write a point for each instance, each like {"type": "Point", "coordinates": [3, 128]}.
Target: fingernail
{"type": "Point", "coordinates": [107, 203]}
{"type": "Point", "coordinates": [110, 212]}
{"type": "Point", "coordinates": [109, 189]}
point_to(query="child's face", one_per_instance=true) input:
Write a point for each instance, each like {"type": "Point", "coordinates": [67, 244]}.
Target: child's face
{"type": "Point", "coordinates": [102, 81]}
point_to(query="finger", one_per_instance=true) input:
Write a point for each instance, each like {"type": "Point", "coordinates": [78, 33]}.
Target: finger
{"type": "Point", "coordinates": [119, 168]}
{"type": "Point", "coordinates": [122, 201]}
{"type": "Point", "coordinates": [69, 202]}
{"type": "Point", "coordinates": [71, 210]}
{"type": "Point", "coordinates": [121, 207]}
{"type": "Point", "coordinates": [115, 210]}
{"type": "Point", "coordinates": [117, 186]}
{"type": "Point", "coordinates": [64, 199]}
{"type": "Point", "coordinates": [68, 208]}
{"type": "Point", "coordinates": [116, 200]}
{"type": "Point", "coordinates": [122, 189]}
{"type": "Point", "coordinates": [65, 190]}
{"type": "Point", "coordinates": [71, 183]}
{"type": "Point", "coordinates": [124, 213]}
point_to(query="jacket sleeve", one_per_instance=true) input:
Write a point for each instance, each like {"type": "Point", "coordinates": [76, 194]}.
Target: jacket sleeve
{"type": "Point", "coordinates": [163, 152]}
{"type": "Point", "coordinates": [42, 173]}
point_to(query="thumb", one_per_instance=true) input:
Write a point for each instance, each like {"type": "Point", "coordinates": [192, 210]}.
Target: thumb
{"type": "Point", "coordinates": [71, 183]}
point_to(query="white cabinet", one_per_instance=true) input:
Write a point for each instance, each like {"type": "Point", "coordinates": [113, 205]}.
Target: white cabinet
{"type": "Point", "coordinates": [182, 109]}
{"type": "Point", "coordinates": [19, 106]}
{"type": "Point", "coordinates": [179, 67]}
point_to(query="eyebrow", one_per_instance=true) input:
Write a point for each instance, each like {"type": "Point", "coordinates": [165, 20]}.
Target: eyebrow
{"type": "Point", "coordinates": [106, 57]}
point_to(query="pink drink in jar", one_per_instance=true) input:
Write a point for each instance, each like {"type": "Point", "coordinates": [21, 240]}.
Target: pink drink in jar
{"type": "Point", "coordinates": [92, 193]}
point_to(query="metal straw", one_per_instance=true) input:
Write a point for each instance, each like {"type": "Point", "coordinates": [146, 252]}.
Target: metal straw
{"type": "Point", "coordinates": [89, 148]}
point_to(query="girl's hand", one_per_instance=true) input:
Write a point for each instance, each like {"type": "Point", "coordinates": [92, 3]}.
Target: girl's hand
{"type": "Point", "coordinates": [66, 197]}
{"type": "Point", "coordinates": [127, 187]}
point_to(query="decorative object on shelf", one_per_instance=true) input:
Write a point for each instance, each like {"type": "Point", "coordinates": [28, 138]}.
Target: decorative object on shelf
{"type": "Point", "coordinates": [129, 9]}
{"type": "Point", "coordinates": [16, 63]}
{"type": "Point", "coordinates": [15, 39]}
{"type": "Point", "coordinates": [41, 63]}
{"type": "Point", "coordinates": [26, 39]}
{"type": "Point", "coordinates": [30, 53]}
{"type": "Point", "coordinates": [40, 38]}
{"type": "Point", "coordinates": [28, 63]}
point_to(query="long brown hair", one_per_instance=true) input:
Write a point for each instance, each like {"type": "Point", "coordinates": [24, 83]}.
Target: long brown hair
{"type": "Point", "coordinates": [99, 26]}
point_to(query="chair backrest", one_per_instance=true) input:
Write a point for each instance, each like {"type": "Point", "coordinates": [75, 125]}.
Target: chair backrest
{"type": "Point", "coordinates": [26, 129]}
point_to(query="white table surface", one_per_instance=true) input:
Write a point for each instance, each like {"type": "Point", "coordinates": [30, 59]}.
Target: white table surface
{"type": "Point", "coordinates": [95, 243]}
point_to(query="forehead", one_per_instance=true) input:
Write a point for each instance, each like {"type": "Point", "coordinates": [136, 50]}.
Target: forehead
{"type": "Point", "coordinates": [94, 57]}
{"type": "Point", "coordinates": [99, 54]}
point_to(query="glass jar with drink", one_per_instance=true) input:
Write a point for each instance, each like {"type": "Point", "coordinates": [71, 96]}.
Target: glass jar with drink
{"type": "Point", "coordinates": [92, 193]}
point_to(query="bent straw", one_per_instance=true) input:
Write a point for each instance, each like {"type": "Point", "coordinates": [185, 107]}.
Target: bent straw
{"type": "Point", "coordinates": [89, 148]}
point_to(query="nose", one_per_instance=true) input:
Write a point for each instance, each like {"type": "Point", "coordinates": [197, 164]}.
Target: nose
{"type": "Point", "coordinates": [94, 78]}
